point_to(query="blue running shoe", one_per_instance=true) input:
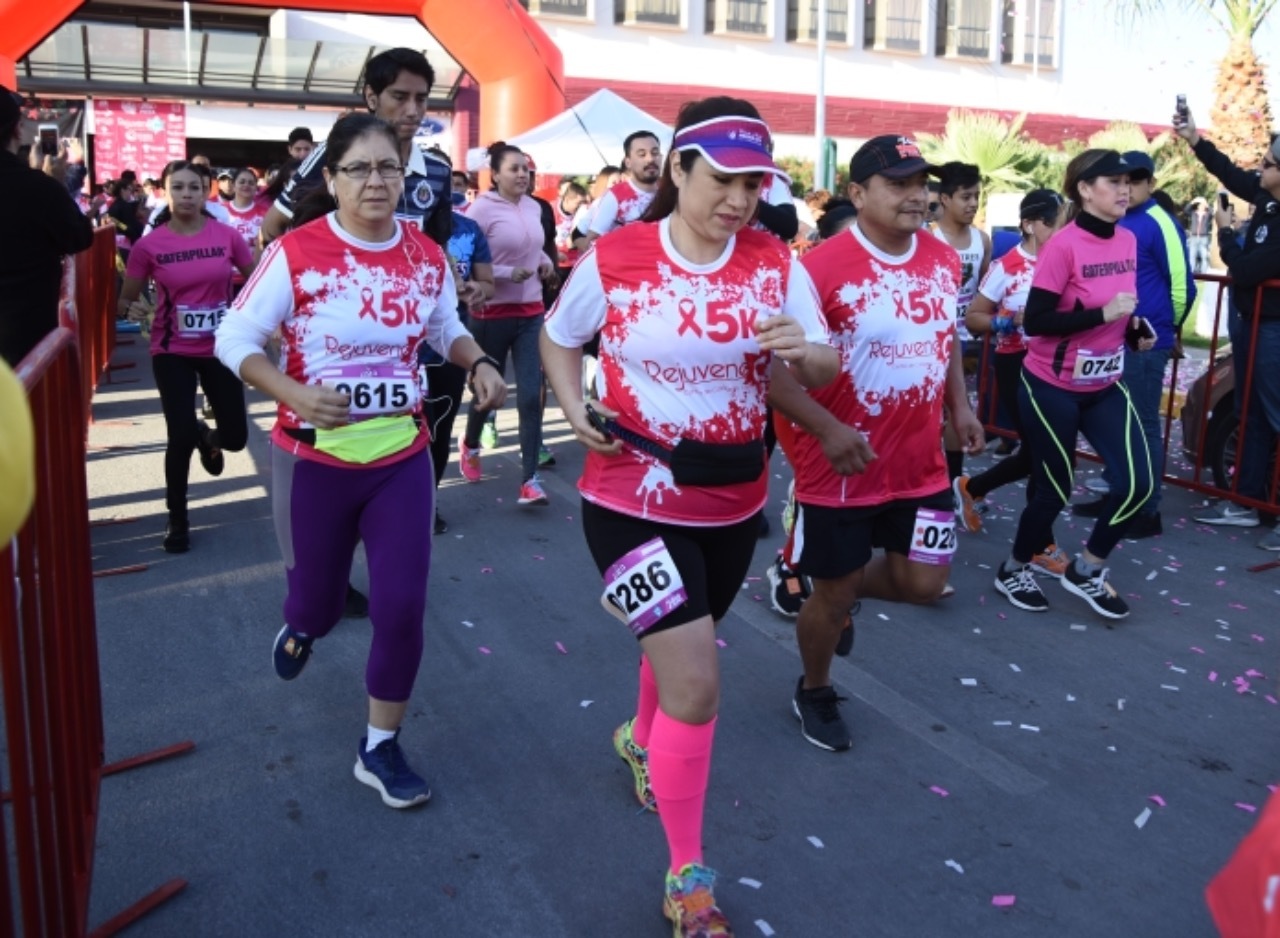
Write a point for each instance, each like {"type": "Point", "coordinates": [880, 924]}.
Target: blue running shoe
{"type": "Point", "coordinates": [386, 770]}
{"type": "Point", "coordinates": [290, 654]}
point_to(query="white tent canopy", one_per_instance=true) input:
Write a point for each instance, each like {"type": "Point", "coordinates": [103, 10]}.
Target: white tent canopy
{"type": "Point", "coordinates": [583, 138]}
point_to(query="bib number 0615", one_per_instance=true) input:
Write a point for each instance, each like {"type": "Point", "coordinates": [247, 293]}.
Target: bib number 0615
{"type": "Point", "coordinates": [643, 586]}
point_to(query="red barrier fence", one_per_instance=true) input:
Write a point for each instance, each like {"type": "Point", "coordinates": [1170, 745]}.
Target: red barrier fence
{"type": "Point", "coordinates": [1210, 440]}
{"type": "Point", "coordinates": [89, 302]}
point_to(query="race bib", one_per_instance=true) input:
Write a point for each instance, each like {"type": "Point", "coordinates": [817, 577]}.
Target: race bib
{"type": "Point", "coordinates": [198, 321]}
{"type": "Point", "coordinates": [643, 587]}
{"type": "Point", "coordinates": [1098, 367]}
{"type": "Point", "coordinates": [934, 539]}
{"type": "Point", "coordinates": [374, 389]}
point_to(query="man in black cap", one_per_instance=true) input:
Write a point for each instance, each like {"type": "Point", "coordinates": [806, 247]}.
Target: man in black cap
{"type": "Point", "coordinates": [31, 253]}
{"type": "Point", "coordinates": [865, 448]}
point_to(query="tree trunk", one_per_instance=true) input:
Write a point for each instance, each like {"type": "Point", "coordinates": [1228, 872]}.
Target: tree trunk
{"type": "Point", "coordinates": [1241, 112]}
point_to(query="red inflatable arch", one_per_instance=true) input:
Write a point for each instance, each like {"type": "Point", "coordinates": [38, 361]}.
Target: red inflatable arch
{"type": "Point", "coordinates": [519, 70]}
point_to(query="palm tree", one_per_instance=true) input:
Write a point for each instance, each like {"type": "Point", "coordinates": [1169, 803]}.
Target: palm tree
{"type": "Point", "coordinates": [1241, 113]}
{"type": "Point", "coordinates": [1006, 158]}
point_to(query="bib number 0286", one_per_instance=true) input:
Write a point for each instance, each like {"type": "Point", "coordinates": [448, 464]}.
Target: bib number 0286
{"type": "Point", "coordinates": [643, 586]}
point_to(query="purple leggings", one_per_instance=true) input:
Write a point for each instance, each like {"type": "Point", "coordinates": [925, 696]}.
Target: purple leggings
{"type": "Point", "coordinates": [321, 512]}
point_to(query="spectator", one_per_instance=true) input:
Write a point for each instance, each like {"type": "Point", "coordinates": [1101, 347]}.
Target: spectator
{"type": "Point", "coordinates": [1199, 227]}
{"type": "Point", "coordinates": [301, 143]}
{"type": "Point", "coordinates": [31, 252]}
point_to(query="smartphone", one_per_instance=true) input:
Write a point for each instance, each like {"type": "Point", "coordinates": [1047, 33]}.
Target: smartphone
{"type": "Point", "coordinates": [1183, 113]}
{"type": "Point", "coordinates": [49, 139]}
{"type": "Point", "coordinates": [1224, 202]}
{"type": "Point", "coordinates": [598, 422]}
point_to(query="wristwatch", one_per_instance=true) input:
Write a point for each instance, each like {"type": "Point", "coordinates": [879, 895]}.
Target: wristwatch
{"type": "Point", "coordinates": [482, 360]}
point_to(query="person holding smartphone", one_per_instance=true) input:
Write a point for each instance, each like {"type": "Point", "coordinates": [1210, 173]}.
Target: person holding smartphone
{"type": "Point", "coordinates": [1250, 265]}
{"type": "Point", "coordinates": [1079, 319]}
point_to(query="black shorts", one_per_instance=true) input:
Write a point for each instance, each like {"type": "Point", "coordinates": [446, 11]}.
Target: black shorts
{"type": "Point", "coordinates": [830, 543]}
{"type": "Point", "coordinates": [713, 561]}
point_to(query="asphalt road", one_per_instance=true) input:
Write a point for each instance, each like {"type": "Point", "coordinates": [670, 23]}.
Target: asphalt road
{"type": "Point", "coordinates": [997, 753]}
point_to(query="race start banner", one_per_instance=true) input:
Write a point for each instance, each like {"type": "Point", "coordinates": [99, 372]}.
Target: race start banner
{"type": "Point", "coordinates": [138, 135]}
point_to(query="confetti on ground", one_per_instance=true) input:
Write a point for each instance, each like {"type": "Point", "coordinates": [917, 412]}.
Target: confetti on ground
{"type": "Point", "coordinates": [955, 866]}
{"type": "Point", "coordinates": [470, 625]}
{"type": "Point", "coordinates": [1071, 698]}
{"type": "Point", "coordinates": [1015, 669]}
{"type": "Point", "coordinates": [1077, 627]}
{"type": "Point", "coordinates": [1198, 651]}
{"type": "Point", "coordinates": [1002, 723]}
{"type": "Point", "coordinates": [1254, 672]}
{"type": "Point", "coordinates": [1179, 602]}
{"type": "Point", "coordinates": [1028, 727]}
{"type": "Point", "coordinates": [940, 792]}
{"type": "Point", "coordinates": [1237, 606]}
{"type": "Point", "coordinates": [486, 569]}
{"type": "Point", "coordinates": [1252, 809]}
{"type": "Point", "coordinates": [1174, 667]}
{"type": "Point", "coordinates": [1219, 569]}
{"type": "Point", "coordinates": [1213, 675]}
{"type": "Point", "coordinates": [1111, 749]}
{"type": "Point", "coordinates": [764, 928]}
{"type": "Point", "coordinates": [560, 648]}
{"type": "Point", "coordinates": [586, 703]}
{"type": "Point", "coordinates": [1153, 574]}
{"type": "Point", "coordinates": [816, 841]}
{"type": "Point", "coordinates": [484, 651]}
{"type": "Point", "coordinates": [1257, 638]}
{"type": "Point", "coordinates": [883, 616]}
{"type": "Point", "coordinates": [1003, 902]}
{"type": "Point", "coordinates": [1156, 799]}
{"type": "Point", "coordinates": [968, 682]}
{"type": "Point", "coordinates": [1120, 704]}
{"type": "Point", "coordinates": [1141, 820]}
{"type": "Point", "coordinates": [1272, 700]}
{"type": "Point", "coordinates": [753, 883]}
{"type": "Point", "coordinates": [722, 643]}
{"type": "Point", "coordinates": [1225, 638]}
{"type": "Point", "coordinates": [539, 557]}
{"type": "Point", "coordinates": [1168, 687]}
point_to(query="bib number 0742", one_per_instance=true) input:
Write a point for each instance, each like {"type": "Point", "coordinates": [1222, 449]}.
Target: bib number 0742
{"type": "Point", "coordinates": [643, 586]}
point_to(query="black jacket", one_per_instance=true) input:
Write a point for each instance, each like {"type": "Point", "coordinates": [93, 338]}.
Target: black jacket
{"type": "Point", "coordinates": [1259, 259]}
{"type": "Point", "coordinates": [44, 224]}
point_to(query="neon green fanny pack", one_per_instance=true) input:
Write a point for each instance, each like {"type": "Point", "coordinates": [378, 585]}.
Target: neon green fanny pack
{"type": "Point", "coordinates": [368, 440]}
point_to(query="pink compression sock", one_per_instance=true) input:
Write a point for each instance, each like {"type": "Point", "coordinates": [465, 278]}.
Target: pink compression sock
{"type": "Point", "coordinates": [646, 705]}
{"type": "Point", "coordinates": [679, 766]}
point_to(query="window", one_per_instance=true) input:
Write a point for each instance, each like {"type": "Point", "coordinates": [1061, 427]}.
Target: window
{"type": "Point", "coordinates": [576, 8]}
{"type": "Point", "coordinates": [964, 28]}
{"type": "Point", "coordinates": [894, 25]}
{"type": "Point", "coordinates": [1030, 34]}
{"type": "Point", "coordinates": [738, 16]}
{"type": "Point", "coordinates": [660, 12]}
{"type": "Point", "coordinates": [802, 20]}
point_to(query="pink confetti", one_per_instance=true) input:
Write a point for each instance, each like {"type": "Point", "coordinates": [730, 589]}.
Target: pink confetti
{"type": "Point", "coordinates": [940, 792]}
{"type": "Point", "coordinates": [1272, 700]}
{"type": "Point", "coordinates": [486, 569]}
{"type": "Point", "coordinates": [1156, 799]}
{"type": "Point", "coordinates": [560, 648]}
{"type": "Point", "coordinates": [982, 600]}
{"type": "Point", "coordinates": [1256, 637]}
{"type": "Point", "coordinates": [1213, 675]}
{"type": "Point", "coordinates": [1002, 615]}
{"type": "Point", "coordinates": [485, 651]}
{"type": "Point", "coordinates": [1220, 583]}
{"type": "Point", "coordinates": [1003, 902]}
{"type": "Point", "coordinates": [539, 557]}
{"type": "Point", "coordinates": [758, 599]}
{"type": "Point", "coordinates": [1251, 808]}
{"type": "Point", "coordinates": [1243, 688]}
{"type": "Point", "coordinates": [1253, 672]}
{"type": "Point", "coordinates": [1198, 651]}
{"type": "Point", "coordinates": [753, 579]}
{"type": "Point", "coordinates": [722, 643]}
{"type": "Point", "coordinates": [1236, 606]}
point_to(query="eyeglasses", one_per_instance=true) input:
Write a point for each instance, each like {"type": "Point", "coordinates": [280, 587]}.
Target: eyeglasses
{"type": "Point", "coordinates": [387, 169]}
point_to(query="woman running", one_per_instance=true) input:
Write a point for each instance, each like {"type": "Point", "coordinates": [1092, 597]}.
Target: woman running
{"type": "Point", "coordinates": [1078, 319]}
{"type": "Point", "coordinates": [245, 209]}
{"type": "Point", "coordinates": [354, 294]}
{"type": "Point", "coordinates": [998, 309]}
{"type": "Point", "coordinates": [510, 322]}
{"type": "Point", "coordinates": [693, 307]}
{"type": "Point", "coordinates": [193, 261]}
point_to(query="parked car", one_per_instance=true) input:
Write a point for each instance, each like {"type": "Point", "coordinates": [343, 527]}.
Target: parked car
{"type": "Point", "coordinates": [1218, 417]}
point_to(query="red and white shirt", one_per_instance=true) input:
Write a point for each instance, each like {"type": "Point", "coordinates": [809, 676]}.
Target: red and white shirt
{"type": "Point", "coordinates": [1007, 284]}
{"type": "Point", "coordinates": [893, 320]}
{"type": "Point", "coordinates": [679, 359]}
{"type": "Point", "coordinates": [247, 221]}
{"type": "Point", "coordinates": [350, 312]}
{"type": "Point", "coordinates": [621, 205]}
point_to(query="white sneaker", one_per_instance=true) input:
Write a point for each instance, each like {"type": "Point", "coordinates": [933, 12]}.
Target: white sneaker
{"type": "Point", "coordinates": [1228, 514]}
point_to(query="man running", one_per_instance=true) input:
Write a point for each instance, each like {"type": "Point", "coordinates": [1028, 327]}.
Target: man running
{"type": "Point", "coordinates": [628, 200]}
{"type": "Point", "coordinates": [869, 471]}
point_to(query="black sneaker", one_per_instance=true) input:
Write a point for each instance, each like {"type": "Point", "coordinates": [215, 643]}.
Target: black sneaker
{"type": "Point", "coordinates": [357, 604]}
{"type": "Point", "coordinates": [290, 653]}
{"type": "Point", "coordinates": [788, 591]}
{"type": "Point", "coordinates": [385, 770]}
{"type": "Point", "coordinates": [441, 526]}
{"type": "Point", "coordinates": [1143, 526]}
{"type": "Point", "coordinates": [1096, 591]}
{"type": "Point", "coordinates": [845, 645]}
{"type": "Point", "coordinates": [818, 711]}
{"type": "Point", "coordinates": [1019, 586]}
{"type": "Point", "coordinates": [177, 537]}
{"type": "Point", "coordinates": [1089, 509]}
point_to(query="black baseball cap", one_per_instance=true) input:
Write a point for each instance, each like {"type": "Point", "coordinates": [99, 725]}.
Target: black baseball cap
{"type": "Point", "coordinates": [1143, 166]}
{"type": "Point", "coordinates": [1040, 203]}
{"type": "Point", "coordinates": [1111, 164]}
{"type": "Point", "coordinates": [889, 155]}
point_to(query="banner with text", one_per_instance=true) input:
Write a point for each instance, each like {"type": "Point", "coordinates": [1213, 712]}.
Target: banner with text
{"type": "Point", "coordinates": [138, 135]}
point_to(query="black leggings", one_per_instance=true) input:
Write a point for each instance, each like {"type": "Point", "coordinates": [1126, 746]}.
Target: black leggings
{"type": "Point", "coordinates": [176, 377]}
{"type": "Point", "coordinates": [1052, 417]}
{"type": "Point", "coordinates": [445, 383]}
{"type": "Point", "coordinates": [1017, 466]}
